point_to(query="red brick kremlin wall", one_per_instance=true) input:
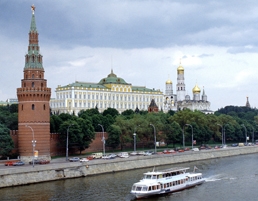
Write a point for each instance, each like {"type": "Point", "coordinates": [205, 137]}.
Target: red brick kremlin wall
{"type": "Point", "coordinates": [56, 150]}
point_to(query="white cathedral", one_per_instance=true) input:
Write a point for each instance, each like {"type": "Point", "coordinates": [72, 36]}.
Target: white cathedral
{"type": "Point", "coordinates": [181, 100]}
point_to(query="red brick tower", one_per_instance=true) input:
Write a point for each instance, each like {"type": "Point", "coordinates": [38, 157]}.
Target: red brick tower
{"type": "Point", "coordinates": [33, 97]}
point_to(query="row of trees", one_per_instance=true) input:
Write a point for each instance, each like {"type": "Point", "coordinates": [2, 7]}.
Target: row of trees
{"type": "Point", "coordinates": [120, 127]}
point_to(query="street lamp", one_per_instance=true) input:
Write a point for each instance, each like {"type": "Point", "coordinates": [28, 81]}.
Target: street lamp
{"type": "Point", "coordinates": [33, 144]}
{"type": "Point", "coordinates": [192, 132]}
{"type": "Point", "coordinates": [103, 139]}
{"type": "Point", "coordinates": [183, 137]}
{"type": "Point", "coordinates": [154, 137]}
{"type": "Point", "coordinates": [134, 136]}
{"type": "Point", "coordinates": [224, 135]}
{"type": "Point", "coordinates": [221, 133]}
{"type": "Point", "coordinates": [253, 135]}
{"type": "Point", "coordinates": [67, 132]}
{"type": "Point", "coordinates": [245, 133]}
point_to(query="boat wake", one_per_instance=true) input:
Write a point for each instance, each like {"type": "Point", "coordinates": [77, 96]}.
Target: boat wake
{"type": "Point", "coordinates": [218, 178]}
{"type": "Point", "coordinates": [214, 178]}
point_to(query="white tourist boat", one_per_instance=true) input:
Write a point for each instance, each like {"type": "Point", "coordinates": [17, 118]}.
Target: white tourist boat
{"type": "Point", "coordinates": [166, 181]}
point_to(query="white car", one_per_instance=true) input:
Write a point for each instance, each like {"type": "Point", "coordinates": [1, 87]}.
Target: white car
{"type": "Point", "coordinates": [124, 155]}
{"type": "Point", "coordinates": [84, 160]}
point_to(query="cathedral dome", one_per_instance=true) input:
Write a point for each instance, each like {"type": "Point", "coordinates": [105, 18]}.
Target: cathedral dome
{"type": "Point", "coordinates": [180, 69]}
{"type": "Point", "coordinates": [196, 89]}
{"type": "Point", "coordinates": [169, 81]}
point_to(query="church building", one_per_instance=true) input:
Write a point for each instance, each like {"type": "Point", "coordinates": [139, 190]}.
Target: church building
{"type": "Point", "coordinates": [180, 100]}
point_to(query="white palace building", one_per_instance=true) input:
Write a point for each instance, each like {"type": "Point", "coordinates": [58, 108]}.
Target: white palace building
{"type": "Point", "coordinates": [114, 92]}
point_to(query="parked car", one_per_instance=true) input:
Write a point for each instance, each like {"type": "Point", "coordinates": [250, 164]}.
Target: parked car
{"type": "Point", "coordinates": [97, 155]}
{"type": "Point", "coordinates": [19, 163]}
{"type": "Point", "coordinates": [9, 163]}
{"type": "Point", "coordinates": [140, 153]}
{"type": "Point", "coordinates": [172, 151]}
{"type": "Point", "coordinates": [195, 149]}
{"type": "Point", "coordinates": [109, 156]}
{"type": "Point", "coordinates": [41, 162]}
{"type": "Point", "coordinates": [123, 155]}
{"type": "Point", "coordinates": [74, 159]}
{"type": "Point", "coordinates": [134, 153]}
{"type": "Point", "coordinates": [36, 161]}
{"type": "Point", "coordinates": [148, 153]}
{"type": "Point", "coordinates": [84, 160]}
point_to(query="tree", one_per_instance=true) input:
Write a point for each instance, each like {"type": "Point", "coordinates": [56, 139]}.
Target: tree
{"type": "Point", "coordinates": [111, 111]}
{"type": "Point", "coordinates": [81, 133]}
{"type": "Point", "coordinates": [114, 133]}
{"type": "Point", "coordinates": [6, 142]}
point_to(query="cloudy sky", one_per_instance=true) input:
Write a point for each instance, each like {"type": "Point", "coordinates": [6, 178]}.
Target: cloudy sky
{"type": "Point", "coordinates": [141, 40]}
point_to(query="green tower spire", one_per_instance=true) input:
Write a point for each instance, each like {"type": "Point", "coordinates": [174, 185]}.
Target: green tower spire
{"type": "Point", "coordinates": [33, 60]}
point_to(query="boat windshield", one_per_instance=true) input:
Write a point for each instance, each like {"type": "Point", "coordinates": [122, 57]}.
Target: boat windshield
{"type": "Point", "coordinates": [150, 177]}
{"type": "Point", "coordinates": [139, 188]}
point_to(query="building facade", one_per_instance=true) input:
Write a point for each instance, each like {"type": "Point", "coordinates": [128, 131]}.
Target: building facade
{"type": "Point", "coordinates": [180, 100]}
{"type": "Point", "coordinates": [109, 92]}
{"type": "Point", "coordinates": [33, 103]}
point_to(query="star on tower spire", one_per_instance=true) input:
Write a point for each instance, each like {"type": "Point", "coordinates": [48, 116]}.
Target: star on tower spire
{"type": "Point", "coordinates": [33, 9]}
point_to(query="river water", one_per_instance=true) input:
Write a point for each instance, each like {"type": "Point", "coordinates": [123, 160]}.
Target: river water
{"type": "Point", "coordinates": [232, 178]}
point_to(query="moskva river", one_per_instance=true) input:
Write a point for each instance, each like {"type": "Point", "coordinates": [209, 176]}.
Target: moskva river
{"type": "Point", "coordinates": [232, 178]}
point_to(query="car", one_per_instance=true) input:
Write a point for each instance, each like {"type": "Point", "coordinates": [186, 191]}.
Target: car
{"type": "Point", "coordinates": [84, 160]}
{"type": "Point", "coordinates": [172, 151]}
{"type": "Point", "coordinates": [43, 161]}
{"type": "Point", "coordinates": [134, 153]}
{"type": "Point", "coordinates": [74, 159]}
{"type": "Point", "coordinates": [109, 156]}
{"type": "Point", "coordinates": [19, 163]}
{"type": "Point", "coordinates": [140, 153]}
{"type": "Point", "coordinates": [195, 149]}
{"type": "Point", "coordinates": [9, 163]}
{"type": "Point", "coordinates": [36, 161]}
{"type": "Point", "coordinates": [148, 153]}
{"type": "Point", "coordinates": [123, 155]}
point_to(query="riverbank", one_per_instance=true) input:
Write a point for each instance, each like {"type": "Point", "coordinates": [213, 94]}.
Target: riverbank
{"type": "Point", "coordinates": [56, 170]}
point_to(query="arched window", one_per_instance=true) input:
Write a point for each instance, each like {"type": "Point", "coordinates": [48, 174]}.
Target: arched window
{"type": "Point", "coordinates": [33, 107]}
{"type": "Point", "coordinates": [41, 84]}
{"type": "Point", "coordinates": [44, 107]}
{"type": "Point", "coordinates": [32, 75]}
{"type": "Point", "coordinates": [32, 84]}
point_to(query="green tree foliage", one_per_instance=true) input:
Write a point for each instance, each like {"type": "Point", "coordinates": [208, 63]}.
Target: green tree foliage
{"type": "Point", "coordinates": [6, 142]}
{"type": "Point", "coordinates": [9, 116]}
{"type": "Point", "coordinates": [80, 134]}
{"type": "Point", "coordinates": [114, 133]}
{"type": "Point", "coordinates": [111, 111]}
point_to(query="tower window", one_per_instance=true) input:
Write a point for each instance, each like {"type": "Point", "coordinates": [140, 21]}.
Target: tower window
{"type": "Point", "coordinates": [32, 75]}
{"type": "Point", "coordinates": [32, 84]}
{"type": "Point", "coordinates": [44, 107]}
{"type": "Point", "coordinates": [33, 107]}
{"type": "Point", "coordinates": [22, 107]}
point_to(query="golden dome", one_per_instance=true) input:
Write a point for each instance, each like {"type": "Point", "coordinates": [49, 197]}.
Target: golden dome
{"type": "Point", "coordinates": [169, 81]}
{"type": "Point", "coordinates": [180, 69]}
{"type": "Point", "coordinates": [196, 89]}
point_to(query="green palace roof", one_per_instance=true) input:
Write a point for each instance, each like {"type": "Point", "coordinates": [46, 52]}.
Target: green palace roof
{"type": "Point", "coordinates": [112, 79]}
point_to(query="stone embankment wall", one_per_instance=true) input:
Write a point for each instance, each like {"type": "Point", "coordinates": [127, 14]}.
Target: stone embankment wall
{"type": "Point", "coordinates": [13, 176]}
